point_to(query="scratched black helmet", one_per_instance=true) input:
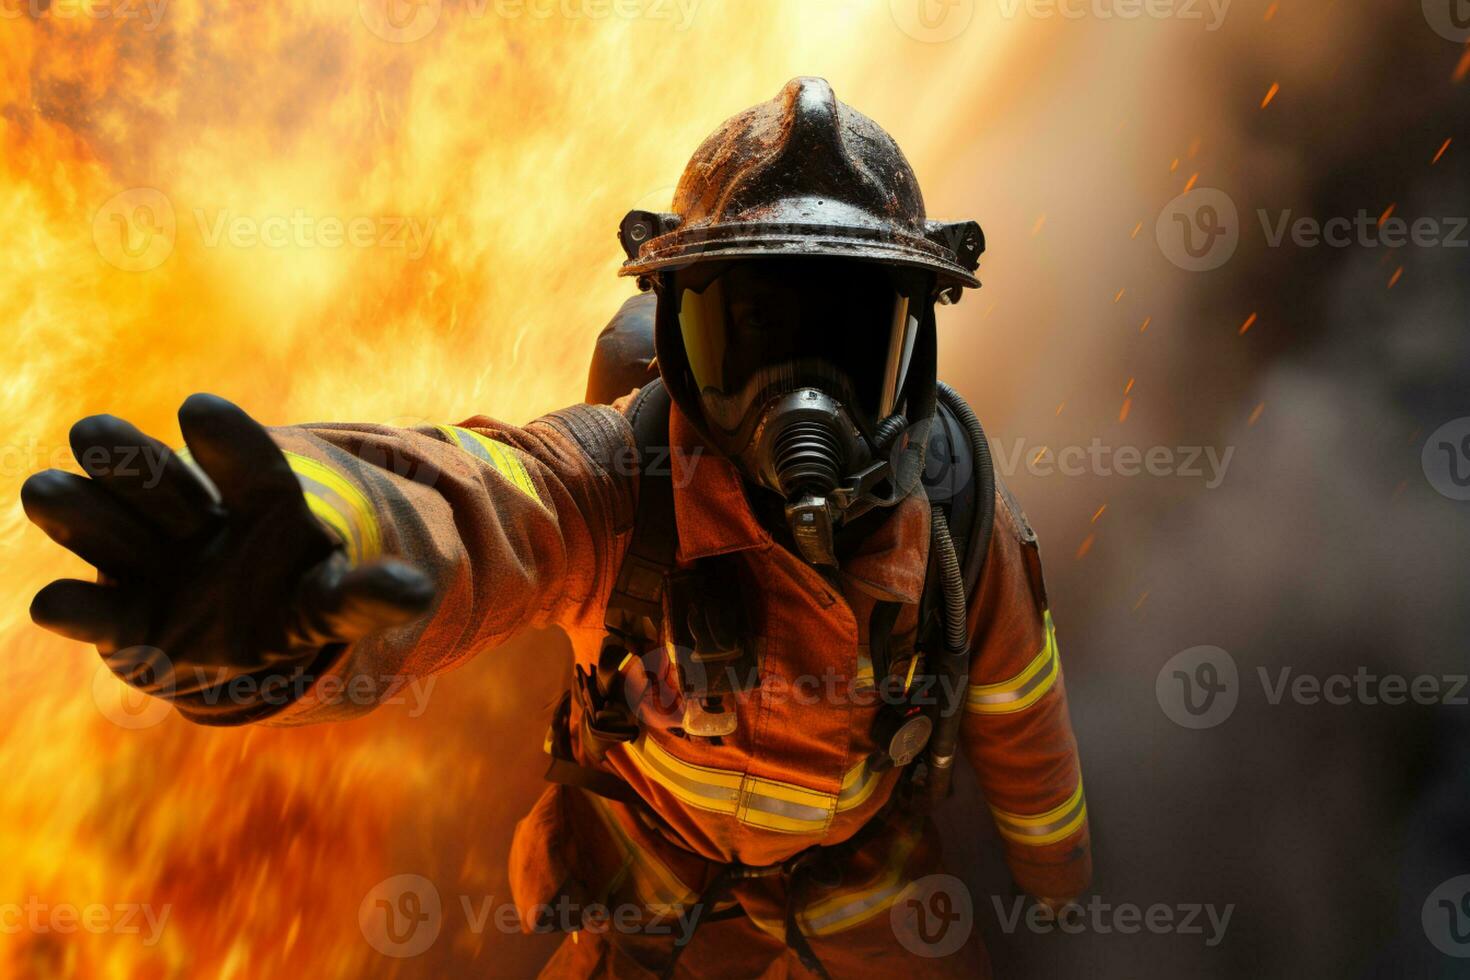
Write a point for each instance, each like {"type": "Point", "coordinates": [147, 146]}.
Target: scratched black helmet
{"type": "Point", "coordinates": [801, 175]}
{"type": "Point", "coordinates": [796, 279]}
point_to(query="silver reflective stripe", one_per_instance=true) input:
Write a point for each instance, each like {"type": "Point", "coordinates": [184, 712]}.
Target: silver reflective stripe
{"type": "Point", "coordinates": [784, 808]}
{"type": "Point", "coordinates": [752, 800]}
{"type": "Point", "coordinates": [722, 794]}
{"type": "Point", "coordinates": [1051, 827]}
{"type": "Point", "coordinates": [861, 786]}
{"type": "Point", "coordinates": [855, 908]}
{"type": "Point", "coordinates": [1024, 689]}
{"type": "Point", "coordinates": [1040, 679]}
{"type": "Point", "coordinates": [1044, 828]}
{"type": "Point", "coordinates": [469, 444]}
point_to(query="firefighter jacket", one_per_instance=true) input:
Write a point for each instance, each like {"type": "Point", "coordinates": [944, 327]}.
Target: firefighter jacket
{"type": "Point", "coordinates": [526, 527]}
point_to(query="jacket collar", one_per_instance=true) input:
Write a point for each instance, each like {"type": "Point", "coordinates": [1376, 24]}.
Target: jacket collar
{"type": "Point", "coordinates": [714, 517]}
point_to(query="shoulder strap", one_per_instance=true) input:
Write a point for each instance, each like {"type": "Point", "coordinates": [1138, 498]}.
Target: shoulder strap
{"type": "Point", "coordinates": [957, 477]}
{"type": "Point", "coordinates": [635, 608]}
{"type": "Point", "coordinates": [949, 476]}
{"type": "Point", "coordinates": [634, 616]}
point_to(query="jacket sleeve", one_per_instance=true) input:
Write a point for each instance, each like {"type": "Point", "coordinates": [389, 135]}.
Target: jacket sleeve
{"type": "Point", "coordinates": [1016, 731]}
{"type": "Point", "coordinates": [519, 527]}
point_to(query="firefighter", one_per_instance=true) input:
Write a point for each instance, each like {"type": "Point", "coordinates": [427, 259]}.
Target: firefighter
{"type": "Point", "coordinates": [785, 626]}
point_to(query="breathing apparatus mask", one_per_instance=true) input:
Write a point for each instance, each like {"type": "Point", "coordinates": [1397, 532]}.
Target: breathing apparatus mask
{"type": "Point", "coordinates": [800, 371]}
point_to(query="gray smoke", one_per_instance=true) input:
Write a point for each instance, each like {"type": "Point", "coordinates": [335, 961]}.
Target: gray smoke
{"type": "Point", "coordinates": [1325, 551]}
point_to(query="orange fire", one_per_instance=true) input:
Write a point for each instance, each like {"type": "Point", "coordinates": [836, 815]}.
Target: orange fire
{"type": "Point", "coordinates": [383, 211]}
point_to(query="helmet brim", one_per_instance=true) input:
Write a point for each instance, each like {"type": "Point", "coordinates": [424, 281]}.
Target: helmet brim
{"type": "Point", "coordinates": [730, 242]}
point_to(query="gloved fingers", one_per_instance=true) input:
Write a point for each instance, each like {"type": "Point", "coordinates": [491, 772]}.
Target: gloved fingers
{"type": "Point", "coordinates": [240, 457]}
{"type": "Point", "coordinates": [340, 603]}
{"type": "Point", "coordinates": [111, 617]}
{"type": "Point", "coordinates": [143, 473]}
{"type": "Point", "coordinates": [146, 668]}
{"type": "Point", "coordinates": [79, 515]}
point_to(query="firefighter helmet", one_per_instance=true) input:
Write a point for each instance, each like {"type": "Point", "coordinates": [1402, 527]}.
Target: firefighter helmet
{"type": "Point", "coordinates": [796, 281]}
{"type": "Point", "coordinates": [801, 175]}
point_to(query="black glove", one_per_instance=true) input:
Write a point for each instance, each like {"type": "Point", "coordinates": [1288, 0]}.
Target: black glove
{"type": "Point", "coordinates": [249, 583]}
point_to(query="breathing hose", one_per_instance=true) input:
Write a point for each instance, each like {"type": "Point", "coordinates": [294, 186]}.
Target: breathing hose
{"type": "Point", "coordinates": [953, 669]}
{"type": "Point", "coordinates": [983, 469]}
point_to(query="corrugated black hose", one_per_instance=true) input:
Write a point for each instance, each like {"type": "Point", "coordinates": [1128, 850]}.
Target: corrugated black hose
{"type": "Point", "coordinates": [953, 670]}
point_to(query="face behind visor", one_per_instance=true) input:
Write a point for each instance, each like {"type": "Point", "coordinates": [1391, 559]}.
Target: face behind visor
{"type": "Point", "coordinates": [756, 331]}
{"type": "Point", "coordinates": [799, 369]}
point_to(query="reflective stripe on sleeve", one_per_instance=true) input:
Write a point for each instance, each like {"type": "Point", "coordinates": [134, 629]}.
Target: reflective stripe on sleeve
{"type": "Point", "coordinates": [499, 456]}
{"type": "Point", "coordinates": [340, 505]}
{"type": "Point", "coordinates": [1044, 828]}
{"type": "Point", "coordinates": [333, 500]}
{"type": "Point", "coordinates": [1026, 688]}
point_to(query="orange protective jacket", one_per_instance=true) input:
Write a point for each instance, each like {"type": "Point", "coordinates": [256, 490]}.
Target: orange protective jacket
{"type": "Point", "coordinates": [527, 526]}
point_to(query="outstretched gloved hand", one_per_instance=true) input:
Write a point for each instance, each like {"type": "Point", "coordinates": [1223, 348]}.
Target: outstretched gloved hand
{"type": "Point", "coordinates": [196, 585]}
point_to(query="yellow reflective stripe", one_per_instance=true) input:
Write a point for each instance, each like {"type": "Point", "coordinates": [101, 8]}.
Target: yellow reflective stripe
{"type": "Point", "coordinates": [500, 456]}
{"type": "Point", "coordinates": [324, 512]}
{"type": "Point", "coordinates": [330, 493]}
{"type": "Point", "coordinates": [754, 801]}
{"type": "Point", "coordinates": [659, 888]}
{"type": "Point", "coordinates": [846, 909]}
{"type": "Point", "coordinates": [1026, 688]}
{"type": "Point", "coordinates": [1044, 828]}
{"type": "Point", "coordinates": [781, 806]}
{"type": "Point", "coordinates": [705, 789]}
{"type": "Point", "coordinates": [857, 786]}
{"type": "Point", "coordinates": [331, 498]}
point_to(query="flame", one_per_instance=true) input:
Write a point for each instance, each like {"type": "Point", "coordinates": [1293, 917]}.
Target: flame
{"type": "Point", "coordinates": [317, 211]}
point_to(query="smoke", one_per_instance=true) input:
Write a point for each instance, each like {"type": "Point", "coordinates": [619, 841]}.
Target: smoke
{"type": "Point", "coordinates": [1325, 551]}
